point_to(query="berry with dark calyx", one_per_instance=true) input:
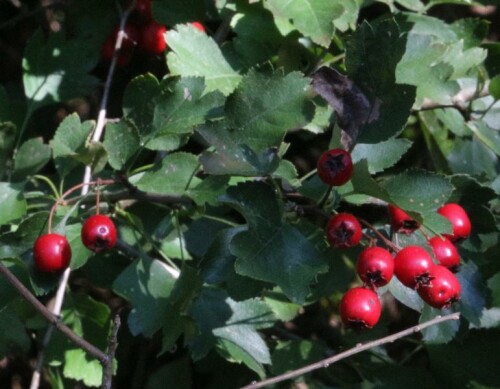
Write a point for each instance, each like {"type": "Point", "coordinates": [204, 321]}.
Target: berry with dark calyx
{"type": "Point", "coordinates": [152, 38]}
{"type": "Point", "coordinates": [335, 167]}
{"type": "Point", "coordinates": [98, 233]}
{"type": "Point", "coordinates": [343, 231]}
{"type": "Point", "coordinates": [375, 266]}
{"type": "Point", "coordinates": [459, 220]}
{"type": "Point", "coordinates": [198, 26]}
{"type": "Point", "coordinates": [51, 253]}
{"type": "Point", "coordinates": [360, 308]}
{"type": "Point", "coordinates": [412, 265]}
{"type": "Point", "coordinates": [445, 252]}
{"type": "Point", "coordinates": [401, 222]}
{"type": "Point", "coordinates": [442, 290]}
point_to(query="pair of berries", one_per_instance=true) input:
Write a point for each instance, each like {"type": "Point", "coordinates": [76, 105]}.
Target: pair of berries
{"type": "Point", "coordinates": [148, 35]}
{"type": "Point", "coordinates": [52, 252]}
{"type": "Point", "coordinates": [360, 307]}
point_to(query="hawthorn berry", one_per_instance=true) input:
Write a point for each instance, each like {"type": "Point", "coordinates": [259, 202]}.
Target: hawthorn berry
{"type": "Point", "coordinates": [459, 220]}
{"type": "Point", "coordinates": [401, 222]}
{"type": "Point", "coordinates": [445, 252]}
{"type": "Point", "coordinates": [98, 233]}
{"type": "Point", "coordinates": [343, 230]}
{"type": "Point", "coordinates": [198, 26]}
{"type": "Point", "coordinates": [51, 253]}
{"type": "Point", "coordinates": [375, 266]}
{"type": "Point", "coordinates": [412, 265]}
{"type": "Point", "coordinates": [360, 308]}
{"type": "Point", "coordinates": [152, 38]}
{"type": "Point", "coordinates": [335, 167]}
{"type": "Point", "coordinates": [442, 290]}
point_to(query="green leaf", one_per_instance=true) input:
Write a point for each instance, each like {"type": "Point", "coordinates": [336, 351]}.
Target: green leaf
{"type": "Point", "coordinates": [283, 309]}
{"type": "Point", "coordinates": [221, 318]}
{"type": "Point", "coordinates": [363, 183]}
{"type": "Point", "coordinates": [292, 355]}
{"type": "Point", "coordinates": [121, 142]}
{"type": "Point", "coordinates": [7, 144]}
{"type": "Point", "coordinates": [79, 253]}
{"type": "Point", "coordinates": [175, 374]}
{"type": "Point", "coordinates": [405, 295]}
{"type": "Point", "coordinates": [55, 69]}
{"type": "Point", "coordinates": [265, 106]}
{"type": "Point", "coordinates": [473, 358]}
{"type": "Point", "coordinates": [439, 333]}
{"type": "Point", "coordinates": [494, 285]}
{"type": "Point", "coordinates": [473, 158]}
{"type": "Point", "coordinates": [381, 155]}
{"type": "Point", "coordinates": [271, 250]}
{"type": "Point", "coordinates": [472, 301]}
{"type": "Point", "coordinates": [209, 190]}
{"type": "Point", "coordinates": [489, 137]}
{"type": "Point", "coordinates": [69, 145]}
{"type": "Point", "coordinates": [494, 87]}
{"type": "Point", "coordinates": [12, 202]}
{"type": "Point", "coordinates": [79, 367]}
{"type": "Point", "coordinates": [419, 191]}
{"type": "Point", "coordinates": [13, 335]}
{"type": "Point", "coordinates": [195, 54]}
{"type": "Point", "coordinates": [31, 157]}
{"type": "Point", "coordinates": [147, 285]}
{"type": "Point", "coordinates": [391, 100]}
{"type": "Point", "coordinates": [181, 106]}
{"type": "Point", "coordinates": [259, 113]}
{"type": "Point", "coordinates": [171, 175]}
{"type": "Point", "coordinates": [313, 18]}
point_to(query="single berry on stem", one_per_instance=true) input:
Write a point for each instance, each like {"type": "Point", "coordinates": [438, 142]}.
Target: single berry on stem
{"type": "Point", "coordinates": [375, 266]}
{"type": "Point", "coordinates": [445, 252]}
{"type": "Point", "coordinates": [360, 308]}
{"type": "Point", "coordinates": [152, 38]}
{"type": "Point", "coordinates": [343, 231]}
{"type": "Point", "coordinates": [98, 233]}
{"type": "Point", "coordinates": [412, 265]}
{"type": "Point", "coordinates": [401, 222]}
{"type": "Point", "coordinates": [51, 253]}
{"type": "Point", "coordinates": [459, 220]}
{"type": "Point", "coordinates": [335, 167]}
{"type": "Point", "coordinates": [442, 290]}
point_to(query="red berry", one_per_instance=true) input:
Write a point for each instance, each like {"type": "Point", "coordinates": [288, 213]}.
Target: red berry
{"type": "Point", "coordinates": [442, 290]}
{"type": "Point", "coordinates": [360, 308]}
{"type": "Point", "coordinates": [153, 39]}
{"type": "Point", "coordinates": [98, 233]}
{"type": "Point", "coordinates": [375, 266]}
{"type": "Point", "coordinates": [52, 253]}
{"type": "Point", "coordinates": [459, 220]}
{"type": "Point", "coordinates": [335, 167]}
{"type": "Point", "coordinates": [412, 265]}
{"type": "Point", "coordinates": [198, 26]}
{"type": "Point", "coordinates": [445, 252]}
{"type": "Point", "coordinates": [343, 230]}
{"type": "Point", "coordinates": [401, 222]}
{"type": "Point", "coordinates": [143, 7]}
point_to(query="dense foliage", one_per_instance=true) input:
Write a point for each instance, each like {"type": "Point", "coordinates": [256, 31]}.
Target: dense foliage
{"type": "Point", "coordinates": [222, 274]}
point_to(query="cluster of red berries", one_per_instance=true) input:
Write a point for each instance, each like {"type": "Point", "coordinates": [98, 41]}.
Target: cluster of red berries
{"type": "Point", "coordinates": [145, 33]}
{"type": "Point", "coordinates": [435, 283]}
{"type": "Point", "coordinates": [52, 252]}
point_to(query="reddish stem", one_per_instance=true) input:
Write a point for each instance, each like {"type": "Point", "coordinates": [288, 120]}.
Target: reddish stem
{"type": "Point", "coordinates": [388, 242]}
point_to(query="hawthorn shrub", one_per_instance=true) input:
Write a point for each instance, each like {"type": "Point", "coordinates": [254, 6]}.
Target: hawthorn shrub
{"type": "Point", "coordinates": [213, 127]}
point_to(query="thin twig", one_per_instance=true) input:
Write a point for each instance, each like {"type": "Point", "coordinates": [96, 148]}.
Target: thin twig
{"type": "Point", "coordinates": [107, 373]}
{"type": "Point", "coordinates": [355, 350]}
{"type": "Point", "coordinates": [53, 319]}
{"type": "Point", "coordinates": [388, 242]}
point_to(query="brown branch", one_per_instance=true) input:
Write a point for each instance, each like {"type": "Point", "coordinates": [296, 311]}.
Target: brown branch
{"type": "Point", "coordinates": [355, 350]}
{"type": "Point", "coordinates": [54, 320]}
{"type": "Point", "coordinates": [107, 373]}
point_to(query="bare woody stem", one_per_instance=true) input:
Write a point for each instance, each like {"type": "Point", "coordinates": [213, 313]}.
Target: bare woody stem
{"type": "Point", "coordinates": [54, 320]}
{"type": "Point", "coordinates": [388, 242]}
{"type": "Point", "coordinates": [355, 350]}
